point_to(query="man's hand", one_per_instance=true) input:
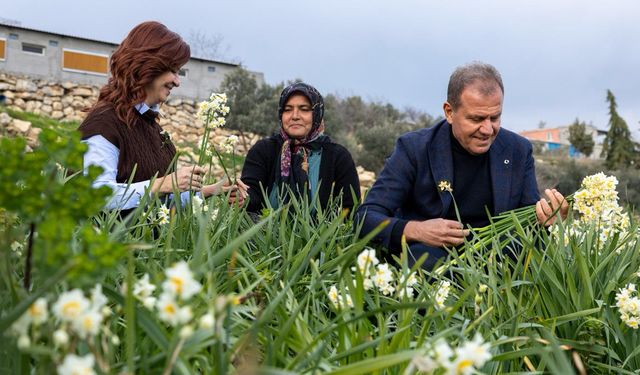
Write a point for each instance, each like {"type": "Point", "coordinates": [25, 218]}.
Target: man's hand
{"type": "Point", "coordinates": [436, 232]}
{"type": "Point", "coordinates": [185, 178]}
{"type": "Point", "coordinates": [546, 210]}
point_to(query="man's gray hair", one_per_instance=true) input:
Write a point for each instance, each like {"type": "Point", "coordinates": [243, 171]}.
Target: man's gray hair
{"type": "Point", "coordinates": [465, 75]}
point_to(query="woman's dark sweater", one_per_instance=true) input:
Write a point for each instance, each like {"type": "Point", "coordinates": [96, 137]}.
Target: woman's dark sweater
{"type": "Point", "coordinates": [338, 173]}
{"type": "Point", "coordinates": [141, 145]}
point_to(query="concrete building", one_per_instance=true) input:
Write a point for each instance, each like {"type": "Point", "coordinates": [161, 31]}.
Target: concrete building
{"type": "Point", "coordinates": [61, 57]}
{"type": "Point", "coordinates": [554, 139]}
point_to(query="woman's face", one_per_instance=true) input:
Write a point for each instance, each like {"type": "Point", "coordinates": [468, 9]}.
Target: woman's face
{"type": "Point", "coordinates": [158, 91]}
{"type": "Point", "coordinates": [297, 117]}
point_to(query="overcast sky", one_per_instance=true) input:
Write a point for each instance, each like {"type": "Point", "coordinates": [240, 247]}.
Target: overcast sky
{"type": "Point", "coordinates": [557, 58]}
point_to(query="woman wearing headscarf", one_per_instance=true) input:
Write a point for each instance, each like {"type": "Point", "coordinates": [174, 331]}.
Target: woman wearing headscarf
{"type": "Point", "coordinates": [299, 158]}
{"type": "Point", "coordinates": [121, 129]}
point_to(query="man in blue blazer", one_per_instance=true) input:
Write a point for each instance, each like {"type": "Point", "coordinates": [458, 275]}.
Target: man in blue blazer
{"type": "Point", "coordinates": [488, 168]}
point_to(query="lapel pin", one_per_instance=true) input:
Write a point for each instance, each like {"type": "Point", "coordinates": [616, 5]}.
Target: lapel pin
{"type": "Point", "coordinates": [506, 161]}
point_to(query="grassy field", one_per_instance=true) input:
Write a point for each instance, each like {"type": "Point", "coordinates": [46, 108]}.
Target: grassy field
{"type": "Point", "coordinates": [205, 289]}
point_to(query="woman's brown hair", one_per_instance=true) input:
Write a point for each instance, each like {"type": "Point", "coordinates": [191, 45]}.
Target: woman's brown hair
{"type": "Point", "coordinates": [149, 50]}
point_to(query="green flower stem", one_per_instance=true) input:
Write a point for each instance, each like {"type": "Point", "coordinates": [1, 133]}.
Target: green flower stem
{"type": "Point", "coordinates": [501, 224]}
{"type": "Point", "coordinates": [233, 181]}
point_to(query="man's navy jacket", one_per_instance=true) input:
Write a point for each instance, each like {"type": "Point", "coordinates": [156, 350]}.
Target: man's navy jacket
{"type": "Point", "coordinates": [407, 187]}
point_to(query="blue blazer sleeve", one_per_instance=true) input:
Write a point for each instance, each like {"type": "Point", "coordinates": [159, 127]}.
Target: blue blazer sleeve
{"type": "Point", "coordinates": [530, 194]}
{"type": "Point", "coordinates": [389, 194]}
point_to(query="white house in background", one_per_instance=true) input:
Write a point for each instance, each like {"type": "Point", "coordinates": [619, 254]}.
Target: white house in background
{"type": "Point", "coordinates": [61, 57]}
{"type": "Point", "coordinates": [558, 138]}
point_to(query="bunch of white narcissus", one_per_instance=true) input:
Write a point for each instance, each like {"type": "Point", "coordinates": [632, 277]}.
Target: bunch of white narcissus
{"type": "Point", "coordinates": [598, 207]}
{"type": "Point", "coordinates": [441, 294]}
{"type": "Point", "coordinates": [74, 315]}
{"type": "Point", "coordinates": [629, 306]}
{"type": "Point", "coordinates": [376, 274]}
{"type": "Point", "coordinates": [465, 359]}
{"type": "Point", "coordinates": [213, 111]}
{"type": "Point", "coordinates": [179, 285]}
{"type": "Point", "coordinates": [176, 290]}
{"type": "Point", "coordinates": [229, 143]}
{"type": "Point", "coordinates": [73, 311]}
{"type": "Point", "coordinates": [163, 215]}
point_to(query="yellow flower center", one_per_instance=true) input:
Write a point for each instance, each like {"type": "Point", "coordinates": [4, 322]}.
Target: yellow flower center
{"type": "Point", "coordinates": [466, 363]}
{"type": "Point", "coordinates": [177, 283]}
{"type": "Point", "coordinates": [33, 310]}
{"type": "Point", "coordinates": [71, 308]}
{"type": "Point", "coordinates": [87, 322]}
{"type": "Point", "coordinates": [170, 309]}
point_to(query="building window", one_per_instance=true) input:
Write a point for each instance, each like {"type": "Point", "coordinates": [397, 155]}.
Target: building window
{"type": "Point", "coordinates": [211, 69]}
{"type": "Point", "coordinates": [549, 136]}
{"type": "Point", "coordinates": [183, 72]}
{"type": "Point", "coordinates": [13, 36]}
{"type": "Point", "coordinates": [85, 62]}
{"type": "Point", "coordinates": [3, 47]}
{"type": "Point", "coordinates": [53, 43]}
{"type": "Point", "coordinates": [33, 48]}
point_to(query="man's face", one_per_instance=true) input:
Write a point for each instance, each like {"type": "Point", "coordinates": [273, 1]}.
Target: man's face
{"type": "Point", "coordinates": [476, 121]}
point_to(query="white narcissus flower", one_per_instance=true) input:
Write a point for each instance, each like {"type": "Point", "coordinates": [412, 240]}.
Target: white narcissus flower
{"type": "Point", "coordinates": [442, 351]}
{"type": "Point", "coordinates": [383, 279]}
{"type": "Point", "coordinates": [149, 302]}
{"type": "Point", "coordinates": [459, 366]}
{"type": "Point", "coordinates": [207, 321]}
{"type": "Point", "coordinates": [21, 326]}
{"type": "Point", "coordinates": [60, 338]}
{"type": "Point", "coordinates": [98, 299]}
{"type": "Point", "coordinates": [629, 306]}
{"type": "Point", "coordinates": [87, 324]}
{"type": "Point", "coordinates": [76, 365]}
{"type": "Point", "coordinates": [180, 281]}
{"type": "Point", "coordinates": [213, 109]}
{"type": "Point", "coordinates": [71, 305]}
{"type": "Point", "coordinates": [632, 322]}
{"type": "Point", "coordinates": [143, 291]}
{"type": "Point", "coordinates": [476, 350]}
{"type": "Point", "coordinates": [366, 259]}
{"type": "Point", "coordinates": [143, 288]}
{"type": "Point", "coordinates": [229, 143]}
{"type": "Point", "coordinates": [442, 294]}
{"type": "Point", "coordinates": [24, 342]}
{"type": "Point", "coordinates": [367, 284]}
{"type": "Point", "coordinates": [38, 312]}
{"type": "Point", "coordinates": [163, 215]}
{"type": "Point", "coordinates": [407, 291]}
{"type": "Point", "coordinates": [186, 332]}
{"type": "Point", "coordinates": [346, 301]}
{"type": "Point", "coordinates": [424, 364]}
{"type": "Point", "coordinates": [334, 295]}
{"type": "Point", "coordinates": [16, 246]}
{"type": "Point", "coordinates": [214, 214]}
{"type": "Point", "coordinates": [339, 301]}
{"type": "Point", "coordinates": [171, 312]}
{"type": "Point", "coordinates": [387, 289]}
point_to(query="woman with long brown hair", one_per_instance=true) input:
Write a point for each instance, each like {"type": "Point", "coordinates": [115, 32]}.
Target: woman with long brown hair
{"type": "Point", "coordinates": [121, 130]}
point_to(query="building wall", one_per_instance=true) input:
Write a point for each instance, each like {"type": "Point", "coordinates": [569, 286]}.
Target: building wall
{"type": "Point", "coordinates": [48, 65]}
{"type": "Point", "coordinates": [198, 83]}
{"type": "Point", "coordinates": [543, 135]}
